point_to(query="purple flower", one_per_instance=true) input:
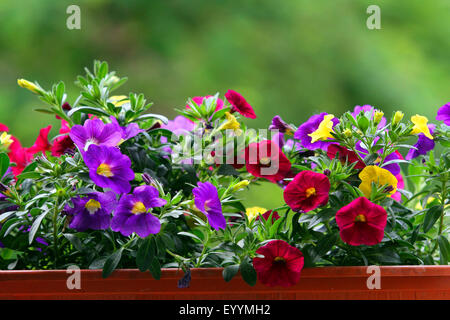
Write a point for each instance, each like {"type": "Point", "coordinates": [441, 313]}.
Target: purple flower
{"type": "Point", "coordinates": [95, 132]}
{"type": "Point", "coordinates": [133, 214]}
{"type": "Point", "coordinates": [393, 168]}
{"type": "Point", "coordinates": [423, 145]}
{"type": "Point", "coordinates": [206, 200]}
{"type": "Point", "coordinates": [128, 132]}
{"type": "Point", "coordinates": [280, 125]}
{"type": "Point", "coordinates": [309, 127]}
{"type": "Point", "coordinates": [92, 212]}
{"type": "Point", "coordinates": [368, 108]}
{"type": "Point", "coordinates": [278, 138]}
{"type": "Point", "coordinates": [443, 114]}
{"type": "Point", "coordinates": [108, 168]}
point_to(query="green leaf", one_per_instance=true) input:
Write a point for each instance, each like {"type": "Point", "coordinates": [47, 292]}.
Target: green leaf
{"type": "Point", "coordinates": [152, 116]}
{"type": "Point", "coordinates": [248, 272]}
{"type": "Point", "coordinates": [86, 109]}
{"type": "Point", "coordinates": [74, 240]}
{"type": "Point", "coordinates": [9, 254]}
{"type": "Point", "coordinates": [155, 268]}
{"type": "Point", "coordinates": [227, 170]}
{"type": "Point", "coordinates": [432, 215]}
{"type": "Point", "coordinates": [35, 226]}
{"type": "Point", "coordinates": [111, 263]}
{"type": "Point", "coordinates": [444, 247]}
{"type": "Point", "coordinates": [229, 272]}
{"type": "Point", "coordinates": [4, 164]}
{"type": "Point", "coordinates": [145, 254]}
{"type": "Point", "coordinates": [191, 235]}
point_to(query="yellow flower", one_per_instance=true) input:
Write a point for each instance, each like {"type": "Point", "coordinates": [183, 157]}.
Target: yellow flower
{"type": "Point", "coordinates": [254, 212]}
{"type": "Point", "coordinates": [378, 116]}
{"type": "Point", "coordinates": [118, 101]}
{"type": "Point", "coordinates": [241, 185]}
{"type": "Point", "coordinates": [378, 175]}
{"type": "Point", "coordinates": [398, 116]}
{"type": "Point", "coordinates": [28, 85]}
{"type": "Point", "coordinates": [347, 132]}
{"type": "Point", "coordinates": [231, 123]}
{"type": "Point", "coordinates": [420, 126]}
{"type": "Point", "coordinates": [324, 130]}
{"type": "Point", "coordinates": [5, 140]}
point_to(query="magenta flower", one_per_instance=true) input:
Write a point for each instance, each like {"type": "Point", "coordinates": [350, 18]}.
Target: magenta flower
{"type": "Point", "coordinates": [108, 168]}
{"type": "Point", "coordinates": [199, 102]}
{"type": "Point", "coordinates": [206, 200]}
{"type": "Point", "coordinates": [95, 132]}
{"type": "Point", "coordinates": [239, 104]}
{"type": "Point", "coordinates": [309, 127]}
{"type": "Point", "coordinates": [423, 145]}
{"type": "Point", "coordinates": [92, 212]}
{"type": "Point", "coordinates": [443, 114]}
{"type": "Point", "coordinates": [133, 214]}
{"type": "Point", "coordinates": [129, 131]}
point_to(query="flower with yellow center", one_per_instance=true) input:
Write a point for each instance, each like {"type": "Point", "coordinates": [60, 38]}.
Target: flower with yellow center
{"type": "Point", "coordinates": [398, 116]}
{"type": "Point", "coordinates": [231, 123]}
{"type": "Point", "coordinates": [310, 192]}
{"type": "Point", "coordinates": [29, 85]}
{"type": "Point", "coordinates": [380, 177]}
{"type": "Point", "coordinates": [138, 208]}
{"type": "Point", "coordinates": [118, 101]}
{"type": "Point", "coordinates": [324, 130]}
{"type": "Point", "coordinates": [378, 116]}
{"type": "Point", "coordinates": [241, 185]}
{"type": "Point", "coordinates": [420, 126]}
{"type": "Point", "coordinates": [360, 218]}
{"type": "Point", "coordinates": [92, 206]}
{"type": "Point", "coordinates": [5, 140]}
{"type": "Point", "coordinates": [254, 212]}
{"type": "Point", "coordinates": [105, 170]}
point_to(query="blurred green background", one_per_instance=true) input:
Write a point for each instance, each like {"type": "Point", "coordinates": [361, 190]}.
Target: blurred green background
{"type": "Point", "coordinates": [290, 57]}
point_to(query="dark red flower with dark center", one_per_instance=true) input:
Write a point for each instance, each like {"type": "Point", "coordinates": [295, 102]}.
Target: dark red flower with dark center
{"type": "Point", "coordinates": [281, 265]}
{"type": "Point", "coordinates": [265, 160]}
{"type": "Point", "coordinates": [62, 144]}
{"type": "Point", "coordinates": [266, 215]}
{"type": "Point", "coordinates": [361, 222]}
{"type": "Point", "coordinates": [308, 191]}
{"type": "Point", "coordinates": [345, 155]}
{"type": "Point", "coordinates": [42, 144]}
{"type": "Point", "coordinates": [239, 104]}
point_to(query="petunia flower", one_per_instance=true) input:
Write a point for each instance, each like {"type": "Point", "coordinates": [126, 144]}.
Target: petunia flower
{"type": "Point", "coordinates": [361, 222]}
{"type": "Point", "coordinates": [207, 201]}
{"type": "Point", "coordinates": [231, 124]}
{"type": "Point", "coordinates": [281, 265]}
{"type": "Point", "coordinates": [133, 213]}
{"type": "Point", "coordinates": [20, 156]}
{"type": "Point", "coordinates": [108, 168]}
{"type": "Point", "coordinates": [239, 104]}
{"type": "Point", "coordinates": [62, 144]}
{"type": "Point", "coordinates": [443, 114]}
{"type": "Point", "coordinates": [307, 191]}
{"type": "Point", "coordinates": [280, 125]}
{"type": "Point", "coordinates": [304, 132]}
{"type": "Point", "coordinates": [423, 145]}
{"type": "Point", "coordinates": [266, 216]}
{"type": "Point", "coordinates": [420, 126]}
{"type": "Point", "coordinates": [129, 131]}
{"type": "Point", "coordinates": [3, 128]}
{"type": "Point", "coordinates": [266, 160]}
{"type": "Point", "coordinates": [92, 212]}
{"type": "Point", "coordinates": [345, 156]}
{"type": "Point", "coordinates": [42, 144]}
{"type": "Point", "coordinates": [379, 176]}
{"type": "Point", "coordinates": [254, 212]}
{"type": "Point", "coordinates": [95, 132]}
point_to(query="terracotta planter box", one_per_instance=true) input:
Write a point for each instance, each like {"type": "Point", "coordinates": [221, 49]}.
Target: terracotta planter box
{"type": "Point", "coordinates": [399, 282]}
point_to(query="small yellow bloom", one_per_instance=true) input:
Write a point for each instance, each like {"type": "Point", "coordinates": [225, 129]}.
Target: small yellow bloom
{"type": "Point", "coordinates": [378, 116]}
{"type": "Point", "coordinates": [420, 126]}
{"type": "Point", "coordinates": [5, 140]}
{"type": "Point", "coordinates": [398, 116]}
{"type": "Point", "coordinates": [324, 130]}
{"type": "Point", "coordinates": [118, 101]}
{"type": "Point", "coordinates": [29, 85]}
{"type": "Point", "coordinates": [378, 175]}
{"type": "Point", "coordinates": [241, 185]}
{"type": "Point", "coordinates": [231, 123]}
{"type": "Point", "coordinates": [254, 212]}
{"type": "Point", "coordinates": [347, 132]}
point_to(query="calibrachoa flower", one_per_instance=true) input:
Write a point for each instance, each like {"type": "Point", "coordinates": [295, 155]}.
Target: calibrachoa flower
{"type": "Point", "coordinates": [239, 104]}
{"type": "Point", "coordinates": [397, 196]}
{"type": "Point", "coordinates": [423, 145]}
{"type": "Point", "coordinates": [133, 213]}
{"type": "Point", "coordinates": [92, 212]}
{"type": "Point", "coordinates": [63, 143]}
{"type": "Point", "coordinates": [3, 128]}
{"type": "Point", "coordinates": [129, 131]}
{"type": "Point", "coordinates": [41, 144]}
{"type": "Point", "coordinates": [322, 122]}
{"type": "Point", "coordinates": [280, 125]}
{"type": "Point", "coordinates": [308, 191]}
{"type": "Point", "coordinates": [420, 126]}
{"type": "Point", "coordinates": [281, 265]}
{"type": "Point", "coordinates": [95, 132]}
{"type": "Point", "coordinates": [380, 177]}
{"type": "Point", "coordinates": [361, 222]}
{"type": "Point", "coordinates": [266, 215]}
{"type": "Point", "coordinates": [266, 160]}
{"type": "Point", "coordinates": [254, 212]}
{"type": "Point", "coordinates": [108, 168]}
{"type": "Point", "coordinates": [231, 124]}
{"type": "Point", "coordinates": [345, 155]}
{"type": "Point", "coordinates": [207, 200]}
{"type": "Point", "coordinates": [443, 114]}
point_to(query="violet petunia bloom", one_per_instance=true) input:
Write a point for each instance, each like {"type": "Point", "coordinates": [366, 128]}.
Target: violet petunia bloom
{"type": "Point", "coordinates": [128, 132]}
{"type": "Point", "coordinates": [206, 200]}
{"type": "Point", "coordinates": [423, 145]}
{"type": "Point", "coordinates": [309, 127]}
{"type": "Point", "coordinates": [443, 114]}
{"type": "Point", "coordinates": [133, 213]}
{"type": "Point", "coordinates": [109, 168]}
{"type": "Point", "coordinates": [95, 132]}
{"type": "Point", "coordinates": [280, 125]}
{"type": "Point", "coordinates": [368, 108]}
{"type": "Point", "coordinates": [393, 168]}
{"type": "Point", "coordinates": [92, 212]}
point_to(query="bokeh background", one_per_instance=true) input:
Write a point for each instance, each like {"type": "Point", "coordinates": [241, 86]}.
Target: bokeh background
{"type": "Point", "coordinates": [288, 57]}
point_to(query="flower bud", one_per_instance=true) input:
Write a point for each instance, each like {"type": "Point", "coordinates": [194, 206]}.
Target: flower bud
{"type": "Point", "coordinates": [29, 85]}
{"type": "Point", "coordinates": [347, 132]}
{"type": "Point", "coordinates": [398, 116]}
{"type": "Point", "coordinates": [241, 185]}
{"type": "Point", "coordinates": [378, 116]}
{"type": "Point", "coordinates": [327, 172]}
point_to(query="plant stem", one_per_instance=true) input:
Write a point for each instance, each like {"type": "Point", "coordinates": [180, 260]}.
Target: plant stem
{"type": "Point", "coordinates": [55, 234]}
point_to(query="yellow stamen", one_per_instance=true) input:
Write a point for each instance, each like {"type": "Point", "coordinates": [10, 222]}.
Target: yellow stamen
{"type": "Point", "coordinates": [138, 208]}
{"type": "Point", "coordinates": [310, 192]}
{"type": "Point", "coordinates": [360, 218]}
{"type": "Point", "coordinates": [265, 161]}
{"type": "Point", "coordinates": [92, 206]}
{"type": "Point", "coordinates": [104, 170]}
{"type": "Point", "coordinates": [279, 259]}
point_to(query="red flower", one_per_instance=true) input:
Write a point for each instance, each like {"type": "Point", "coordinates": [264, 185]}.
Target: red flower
{"type": "Point", "coordinates": [20, 156]}
{"type": "Point", "coordinates": [266, 215]}
{"type": "Point", "coordinates": [361, 222]}
{"type": "Point", "coordinates": [63, 143]}
{"type": "Point", "coordinates": [266, 160]}
{"type": "Point", "coordinates": [281, 265]}
{"type": "Point", "coordinates": [239, 104]}
{"type": "Point", "coordinates": [41, 144]}
{"type": "Point", "coordinates": [3, 128]}
{"type": "Point", "coordinates": [345, 155]}
{"type": "Point", "coordinates": [307, 191]}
